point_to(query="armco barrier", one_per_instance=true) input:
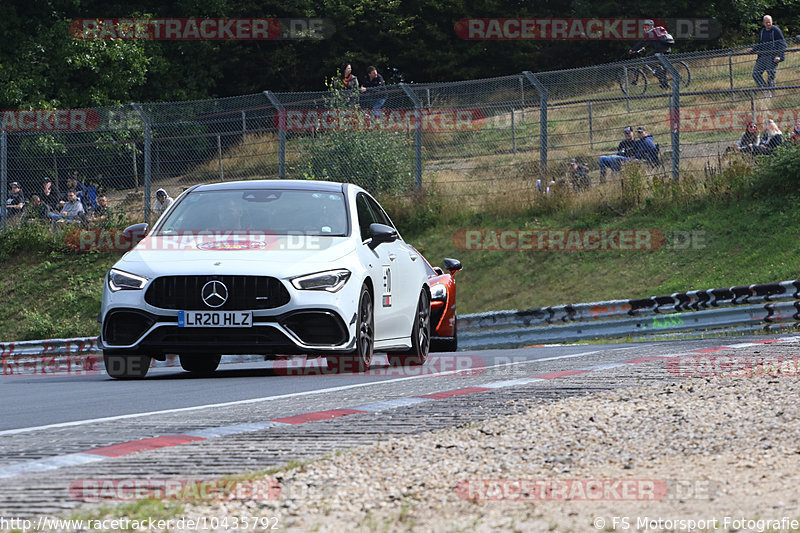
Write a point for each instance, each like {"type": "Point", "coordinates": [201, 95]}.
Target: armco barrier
{"type": "Point", "coordinates": [56, 356]}
{"type": "Point", "coordinates": [750, 307]}
{"type": "Point", "coordinates": [681, 311]}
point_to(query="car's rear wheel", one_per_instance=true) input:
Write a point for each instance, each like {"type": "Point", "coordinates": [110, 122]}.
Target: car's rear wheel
{"type": "Point", "coordinates": [126, 366]}
{"type": "Point", "coordinates": [200, 364]}
{"type": "Point", "coordinates": [420, 336]}
{"type": "Point", "coordinates": [360, 359]}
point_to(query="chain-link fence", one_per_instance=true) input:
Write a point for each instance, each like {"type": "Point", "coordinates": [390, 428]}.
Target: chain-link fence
{"type": "Point", "coordinates": [470, 141]}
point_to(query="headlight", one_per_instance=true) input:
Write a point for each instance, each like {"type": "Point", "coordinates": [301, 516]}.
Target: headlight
{"type": "Point", "coordinates": [331, 281]}
{"type": "Point", "coordinates": [121, 281]}
{"type": "Point", "coordinates": [438, 292]}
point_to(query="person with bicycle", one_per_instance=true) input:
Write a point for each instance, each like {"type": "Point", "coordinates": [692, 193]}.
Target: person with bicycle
{"type": "Point", "coordinates": [659, 42]}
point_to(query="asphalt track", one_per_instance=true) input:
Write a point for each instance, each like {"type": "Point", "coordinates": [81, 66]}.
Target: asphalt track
{"type": "Point", "coordinates": [58, 429]}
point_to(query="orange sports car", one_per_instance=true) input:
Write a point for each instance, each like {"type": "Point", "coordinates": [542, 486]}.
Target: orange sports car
{"type": "Point", "coordinates": [444, 337]}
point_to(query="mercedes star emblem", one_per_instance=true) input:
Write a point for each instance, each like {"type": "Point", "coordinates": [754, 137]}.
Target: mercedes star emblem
{"type": "Point", "coordinates": [214, 293]}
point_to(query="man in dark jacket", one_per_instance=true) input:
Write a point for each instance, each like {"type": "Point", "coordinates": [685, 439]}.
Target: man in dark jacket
{"type": "Point", "coordinates": [375, 85]}
{"type": "Point", "coordinates": [646, 149]}
{"type": "Point", "coordinates": [770, 48]}
{"type": "Point", "coordinates": [626, 151]}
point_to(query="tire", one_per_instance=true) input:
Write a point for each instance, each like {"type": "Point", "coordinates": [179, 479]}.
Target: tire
{"type": "Point", "coordinates": [420, 336]}
{"type": "Point", "coordinates": [447, 345]}
{"type": "Point", "coordinates": [633, 82]}
{"type": "Point", "coordinates": [684, 72]}
{"type": "Point", "coordinates": [200, 364]}
{"type": "Point", "coordinates": [126, 366]}
{"type": "Point", "coordinates": [361, 358]}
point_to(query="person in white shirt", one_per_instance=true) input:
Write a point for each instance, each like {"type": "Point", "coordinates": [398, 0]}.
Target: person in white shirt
{"type": "Point", "coordinates": [162, 202]}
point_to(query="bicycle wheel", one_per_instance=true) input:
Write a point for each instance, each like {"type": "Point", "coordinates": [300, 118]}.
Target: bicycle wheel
{"type": "Point", "coordinates": [632, 81]}
{"type": "Point", "coordinates": [684, 72]}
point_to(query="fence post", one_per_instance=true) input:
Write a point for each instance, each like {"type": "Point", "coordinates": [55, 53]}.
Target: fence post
{"type": "Point", "coordinates": [281, 133]}
{"type": "Point", "coordinates": [591, 132]}
{"type": "Point", "coordinates": [219, 158]}
{"type": "Point", "coordinates": [730, 75]}
{"type": "Point", "coordinates": [135, 166]}
{"type": "Point", "coordinates": [3, 172]}
{"type": "Point", "coordinates": [522, 96]}
{"type": "Point", "coordinates": [244, 123]}
{"type": "Point", "coordinates": [513, 134]}
{"type": "Point", "coordinates": [674, 115]}
{"type": "Point", "coordinates": [417, 135]}
{"type": "Point", "coordinates": [148, 167]}
{"type": "Point", "coordinates": [542, 122]}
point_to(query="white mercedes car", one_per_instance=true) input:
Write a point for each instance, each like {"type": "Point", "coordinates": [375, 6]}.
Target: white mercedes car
{"type": "Point", "coordinates": [266, 267]}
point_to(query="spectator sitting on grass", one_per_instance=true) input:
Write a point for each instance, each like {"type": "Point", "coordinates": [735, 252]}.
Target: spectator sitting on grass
{"type": "Point", "coordinates": [796, 134]}
{"type": "Point", "coordinates": [646, 149]}
{"type": "Point", "coordinates": [749, 140]}
{"type": "Point", "coordinates": [578, 175]}
{"type": "Point", "coordinates": [80, 189]}
{"type": "Point", "coordinates": [771, 140]}
{"type": "Point", "coordinates": [161, 203]}
{"type": "Point", "coordinates": [625, 152]}
{"type": "Point", "coordinates": [102, 212]}
{"type": "Point", "coordinates": [36, 210]}
{"type": "Point", "coordinates": [48, 196]}
{"type": "Point", "coordinates": [73, 211]}
{"type": "Point", "coordinates": [15, 201]}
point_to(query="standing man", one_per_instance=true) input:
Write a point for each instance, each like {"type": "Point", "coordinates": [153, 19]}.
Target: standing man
{"type": "Point", "coordinates": [376, 84]}
{"type": "Point", "coordinates": [770, 48]}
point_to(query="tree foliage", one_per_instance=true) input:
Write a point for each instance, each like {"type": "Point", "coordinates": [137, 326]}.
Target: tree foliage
{"type": "Point", "coordinates": [42, 65]}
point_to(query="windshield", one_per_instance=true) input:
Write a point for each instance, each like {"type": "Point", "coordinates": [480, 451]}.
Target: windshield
{"type": "Point", "coordinates": [274, 211]}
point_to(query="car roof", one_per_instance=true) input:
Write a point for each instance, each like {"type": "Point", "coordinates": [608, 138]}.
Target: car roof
{"type": "Point", "coordinates": [302, 185]}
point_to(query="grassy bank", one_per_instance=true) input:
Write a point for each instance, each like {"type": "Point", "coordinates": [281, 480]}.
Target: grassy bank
{"type": "Point", "coordinates": [743, 225]}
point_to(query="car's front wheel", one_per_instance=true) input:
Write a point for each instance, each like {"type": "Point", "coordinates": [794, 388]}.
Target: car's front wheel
{"type": "Point", "coordinates": [126, 366]}
{"type": "Point", "coordinates": [200, 364]}
{"type": "Point", "coordinates": [360, 359]}
{"type": "Point", "coordinates": [420, 336]}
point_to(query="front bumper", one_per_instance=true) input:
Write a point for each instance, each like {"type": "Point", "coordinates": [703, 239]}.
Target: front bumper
{"type": "Point", "coordinates": [302, 331]}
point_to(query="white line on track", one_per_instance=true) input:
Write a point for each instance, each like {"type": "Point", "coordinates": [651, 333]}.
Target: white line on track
{"type": "Point", "coordinates": [290, 395]}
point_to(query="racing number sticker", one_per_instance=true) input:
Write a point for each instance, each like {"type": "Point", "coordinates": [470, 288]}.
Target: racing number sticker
{"type": "Point", "coordinates": [387, 286]}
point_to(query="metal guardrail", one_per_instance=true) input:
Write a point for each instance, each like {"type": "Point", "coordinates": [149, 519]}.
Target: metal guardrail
{"type": "Point", "coordinates": [750, 306]}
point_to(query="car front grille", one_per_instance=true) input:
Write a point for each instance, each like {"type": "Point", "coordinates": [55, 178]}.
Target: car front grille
{"type": "Point", "coordinates": [244, 293]}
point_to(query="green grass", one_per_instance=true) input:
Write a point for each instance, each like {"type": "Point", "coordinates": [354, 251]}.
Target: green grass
{"type": "Point", "coordinates": [747, 226]}
{"type": "Point", "coordinates": [744, 243]}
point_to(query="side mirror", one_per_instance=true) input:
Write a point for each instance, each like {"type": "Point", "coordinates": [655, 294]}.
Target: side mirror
{"type": "Point", "coordinates": [452, 265]}
{"type": "Point", "coordinates": [135, 233]}
{"type": "Point", "coordinates": [381, 233]}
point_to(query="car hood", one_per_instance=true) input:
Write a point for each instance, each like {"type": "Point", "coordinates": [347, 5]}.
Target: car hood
{"type": "Point", "coordinates": [169, 255]}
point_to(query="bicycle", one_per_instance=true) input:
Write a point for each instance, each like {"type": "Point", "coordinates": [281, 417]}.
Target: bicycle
{"type": "Point", "coordinates": [633, 79]}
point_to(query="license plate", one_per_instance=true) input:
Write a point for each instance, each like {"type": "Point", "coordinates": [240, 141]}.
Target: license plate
{"type": "Point", "coordinates": [215, 319]}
